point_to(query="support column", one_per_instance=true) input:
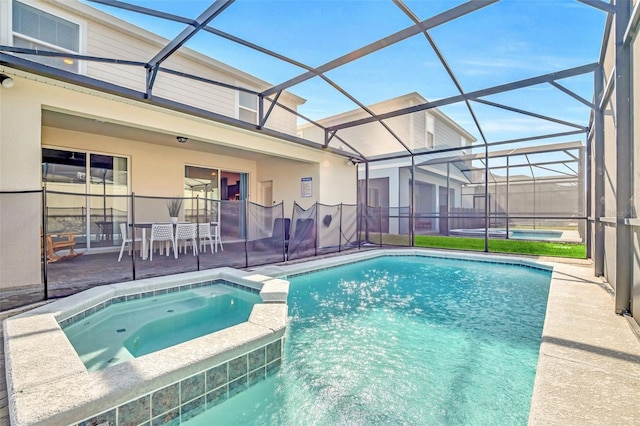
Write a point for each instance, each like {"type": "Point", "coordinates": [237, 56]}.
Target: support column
{"type": "Point", "coordinates": [624, 201]}
{"type": "Point", "coordinates": [598, 178]}
{"type": "Point", "coordinates": [366, 202]}
{"type": "Point", "coordinates": [507, 199]}
{"type": "Point", "coordinates": [412, 207]}
{"type": "Point", "coordinates": [486, 198]}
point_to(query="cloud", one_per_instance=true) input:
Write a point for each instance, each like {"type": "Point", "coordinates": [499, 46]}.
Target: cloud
{"type": "Point", "coordinates": [533, 64]}
{"type": "Point", "coordinates": [520, 126]}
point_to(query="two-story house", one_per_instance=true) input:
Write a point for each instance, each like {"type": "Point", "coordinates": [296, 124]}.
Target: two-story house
{"type": "Point", "coordinates": [436, 188]}
{"type": "Point", "coordinates": [91, 104]}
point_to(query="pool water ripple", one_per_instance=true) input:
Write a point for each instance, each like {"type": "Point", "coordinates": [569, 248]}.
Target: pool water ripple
{"type": "Point", "coordinates": [407, 341]}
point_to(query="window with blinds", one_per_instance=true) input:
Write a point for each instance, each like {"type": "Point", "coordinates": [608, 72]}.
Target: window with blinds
{"type": "Point", "coordinates": [37, 29]}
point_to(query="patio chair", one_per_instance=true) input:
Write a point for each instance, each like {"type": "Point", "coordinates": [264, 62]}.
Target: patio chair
{"type": "Point", "coordinates": [279, 235]}
{"type": "Point", "coordinates": [204, 233]}
{"type": "Point", "coordinates": [304, 236]}
{"type": "Point", "coordinates": [162, 232]}
{"type": "Point", "coordinates": [57, 242]}
{"type": "Point", "coordinates": [131, 241]}
{"type": "Point", "coordinates": [217, 240]}
{"type": "Point", "coordinates": [185, 232]}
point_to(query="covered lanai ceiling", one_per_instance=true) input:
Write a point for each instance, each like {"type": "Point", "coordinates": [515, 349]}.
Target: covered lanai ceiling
{"type": "Point", "coordinates": [512, 73]}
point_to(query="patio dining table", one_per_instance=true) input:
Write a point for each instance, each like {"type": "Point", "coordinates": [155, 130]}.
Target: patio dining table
{"type": "Point", "coordinates": [147, 225]}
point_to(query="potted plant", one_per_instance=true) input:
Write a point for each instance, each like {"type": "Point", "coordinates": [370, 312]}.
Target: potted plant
{"type": "Point", "coordinates": [174, 205]}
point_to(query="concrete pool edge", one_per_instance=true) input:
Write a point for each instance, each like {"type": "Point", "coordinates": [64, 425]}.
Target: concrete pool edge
{"type": "Point", "coordinates": [48, 384]}
{"type": "Point", "coordinates": [589, 360]}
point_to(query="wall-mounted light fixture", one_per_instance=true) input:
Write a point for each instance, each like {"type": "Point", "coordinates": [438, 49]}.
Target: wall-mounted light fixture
{"type": "Point", "coordinates": [352, 162]}
{"type": "Point", "coordinates": [6, 81]}
{"type": "Point", "coordinates": [182, 139]}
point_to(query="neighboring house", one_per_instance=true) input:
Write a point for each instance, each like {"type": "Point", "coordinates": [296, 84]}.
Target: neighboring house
{"type": "Point", "coordinates": [527, 186]}
{"type": "Point", "coordinates": [436, 189]}
{"type": "Point", "coordinates": [88, 128]}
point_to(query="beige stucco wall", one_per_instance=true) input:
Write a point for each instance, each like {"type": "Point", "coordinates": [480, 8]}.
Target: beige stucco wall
{"type": "Point", "coordinates": [155, 169]}
{"type": "Point", "coordinates": [333, 182]}
{"type": "Point", "coordinates": [19, 146]}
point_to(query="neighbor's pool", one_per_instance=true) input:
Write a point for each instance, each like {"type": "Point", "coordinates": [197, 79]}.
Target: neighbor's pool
{"type": "Point", "coordinates": [516, 234]}
{"type": "Point", "coordinates": [535, 234]}
{"type": "Point", "coordinates": [137, 327]}
{"type": "Point", "coordinates": [403, 341]}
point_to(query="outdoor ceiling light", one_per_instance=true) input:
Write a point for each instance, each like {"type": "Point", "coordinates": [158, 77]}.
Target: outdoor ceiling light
{"type": "Point", "coordinates": [182, 139]}
{"type": "Point", "coordinates": [6, 81]}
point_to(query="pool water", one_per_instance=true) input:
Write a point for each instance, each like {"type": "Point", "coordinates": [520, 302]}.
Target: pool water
{"type": "Point", "coordinates": [535, 235]}
{"type": "Point", "coordinates": [402, 341]}
{"type": "Point", "coordinates": [134, 328]}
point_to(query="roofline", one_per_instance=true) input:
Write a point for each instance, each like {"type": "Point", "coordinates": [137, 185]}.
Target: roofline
{"type": "Point", "coordinates": [407, 96]}
{"type": "Point", "coordinates": [506, 152]}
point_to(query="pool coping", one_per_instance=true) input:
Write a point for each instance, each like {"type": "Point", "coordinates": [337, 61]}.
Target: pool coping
{"type": "Point", "coordinates": [47, 383]}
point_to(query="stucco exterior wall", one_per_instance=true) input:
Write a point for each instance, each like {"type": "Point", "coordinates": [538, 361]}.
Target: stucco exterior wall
{"type": "Point", "coordinates": [332, 180]}
{"type": "Point", "coordinates": [155, 169]}
{"type": "Point", "coordinates": [19, 145]}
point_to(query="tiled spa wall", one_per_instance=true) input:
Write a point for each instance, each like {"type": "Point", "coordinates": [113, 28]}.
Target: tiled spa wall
{"type": "Point", "coordinates": [191, 396]}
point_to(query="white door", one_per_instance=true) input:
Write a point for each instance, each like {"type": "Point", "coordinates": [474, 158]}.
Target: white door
{"type": "Point", "coordinates": [266, 193]}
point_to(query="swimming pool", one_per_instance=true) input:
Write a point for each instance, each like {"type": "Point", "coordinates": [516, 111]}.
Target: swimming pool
{"type": "Point", "coordinates": [403, 340]}
{"type": "Point", "coordinates": [139, 326]}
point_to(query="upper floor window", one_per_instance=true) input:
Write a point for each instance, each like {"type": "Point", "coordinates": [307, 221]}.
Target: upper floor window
{"type": "Point", "coordinates": [37, 29]}
{"type": "Point", "coordinates": [248, 107]}
{"type": "Point", "coordinates": [430, 131]}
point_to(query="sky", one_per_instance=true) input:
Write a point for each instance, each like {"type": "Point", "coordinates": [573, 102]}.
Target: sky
{"type": "Point", "coordinates": [501, 43]}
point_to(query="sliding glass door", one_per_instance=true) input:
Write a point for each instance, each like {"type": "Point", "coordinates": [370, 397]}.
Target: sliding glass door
{"type": "Point", "coordinates": [87, 194]}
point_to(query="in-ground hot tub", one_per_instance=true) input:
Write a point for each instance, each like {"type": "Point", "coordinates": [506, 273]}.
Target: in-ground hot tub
{"type": "Point", "coordinates": [126, 329]}
{"type": "Point", "coordinates": [49, 384]}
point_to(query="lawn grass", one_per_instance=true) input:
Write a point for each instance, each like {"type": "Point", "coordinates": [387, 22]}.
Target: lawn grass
{"type": "Point", "coordinates": [537, 248]}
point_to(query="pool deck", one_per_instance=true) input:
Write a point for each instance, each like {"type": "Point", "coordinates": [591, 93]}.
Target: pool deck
{"type": "Point", "coordinates": [589, 365]}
